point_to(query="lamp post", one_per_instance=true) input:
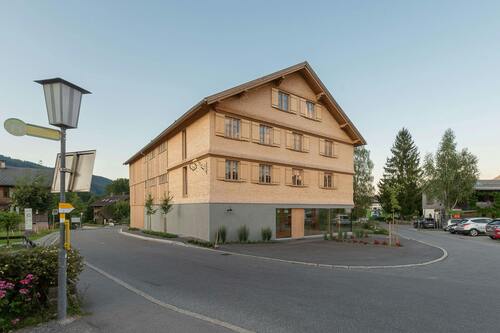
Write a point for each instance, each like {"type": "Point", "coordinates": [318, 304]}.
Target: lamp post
{"type": "Point", "coordinates": [62, 99]}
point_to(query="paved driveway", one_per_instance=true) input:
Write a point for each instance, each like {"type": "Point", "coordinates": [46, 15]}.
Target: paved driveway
{"type": "Point", "coordinates": [267, 296]}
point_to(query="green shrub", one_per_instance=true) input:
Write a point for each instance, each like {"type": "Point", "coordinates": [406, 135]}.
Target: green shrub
{"type": "Point", "coordinates": [325, 236]}
{"type": "Point", "coordinates": [344, 236]}
{"type": "Point", "coordinates": [200, 242]}
{"type": "Point", "coordinates": [243, 233]}
{"type": "Point", "coordinates": [159, 234]}
{"type": "Point", "coordinates": [221, 234]}
{"type": "Point", "coordinates": [133, 229]}
{"type": "Point", "coordinates": [266, 234]}
{"type": "Point", "coordinates": [380, 231]}
{"type": "Point", "coordinates": [25, 278]}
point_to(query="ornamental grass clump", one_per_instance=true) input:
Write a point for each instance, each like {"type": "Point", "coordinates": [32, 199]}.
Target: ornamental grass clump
{"type": "Point", "coordinates": [243, 233]}
{"type": "Point", "coordinates": [221, 234]}
{"type": "Point", "coordinates": [267, 234]}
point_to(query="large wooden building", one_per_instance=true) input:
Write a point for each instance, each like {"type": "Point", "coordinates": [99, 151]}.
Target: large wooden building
{"type": "Point", "coordinates": [274, 152]}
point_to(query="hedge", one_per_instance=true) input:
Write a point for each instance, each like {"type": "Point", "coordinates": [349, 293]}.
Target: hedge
{"type": "Point", "coordinates": [25, 279]}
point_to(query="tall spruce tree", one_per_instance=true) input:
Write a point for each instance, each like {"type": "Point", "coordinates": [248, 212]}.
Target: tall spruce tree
{"type": "Point", "coordinates": [402, 174]}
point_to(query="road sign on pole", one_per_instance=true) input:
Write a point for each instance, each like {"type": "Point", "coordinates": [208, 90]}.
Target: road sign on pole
{"type": "Point", "coordinates": [18, 127]}
{"type": "Point", "coordinates": [65, 207]}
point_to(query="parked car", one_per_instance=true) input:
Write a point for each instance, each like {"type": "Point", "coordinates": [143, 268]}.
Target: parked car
{"type": "Point", "coordinates": [493, 229]}
{"type": "Point", "coordinates": [451, 222]}
{"type": "Point", "coordinates": [428, 222]}
{"type": "Point", "coordinates": [473, 226]}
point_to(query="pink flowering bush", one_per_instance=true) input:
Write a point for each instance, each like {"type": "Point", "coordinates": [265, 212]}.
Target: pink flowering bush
{"type": "Point", "coordinates": [17, 298]}
{"type": "Point", "coordinates": [25, 279]}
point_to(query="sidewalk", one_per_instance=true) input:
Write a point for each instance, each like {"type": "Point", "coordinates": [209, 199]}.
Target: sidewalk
{"type": "Point", "coordinates": [112, 308]}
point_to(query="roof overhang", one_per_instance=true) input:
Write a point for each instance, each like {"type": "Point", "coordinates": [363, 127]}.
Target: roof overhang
{"type": "Point", "coordinates": [309, 75]}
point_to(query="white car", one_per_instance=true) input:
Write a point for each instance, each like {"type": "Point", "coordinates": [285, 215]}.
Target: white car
{"type": "Point", "coordinates": [473, 226]}
{"type": "Point", "coordinates": [451, 222]}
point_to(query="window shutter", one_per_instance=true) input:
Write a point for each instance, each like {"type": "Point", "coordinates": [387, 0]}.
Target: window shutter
{"type": "Point", "coordinates": [275, 174]}
{"type": "Point", "coordinates": [289, 139]}
{"type": "Point", "coordinates": [321, 179]}
{"type": "Point", "coordinates": [335, 149]}
{"type": "Point", "coordinates": [221, 169]}
{"type": "Point", "coordinates": [294, 104]}
{"type": "Point", "coordinates": [288, 176]}
{"type": "Point", "coordinates": [305, 143]}
{"type": "Point", "coordinates": [255, 132]}
{"type": "Point", "coordinates": [322, 147]}
{"type": "Point", "coordinates": [335, 181]}
{"type": "Point", "coordinates": [303, 107]}
{"type": "Point", "coordinates": [307, 181]}
{"type": "Point", "coordinates": [245, 130]}
{"type": "Point", "coordinates": [254, 172]}
{"type": "Point", "coordinates": [243, 171]}
{"type": "Point", "coordinates": [276, 136]}
{"type": "Point", "coordinates": [274, 98]}
{"type": "Point", "coordinates": [219, 124]}
{"type": "Point", "coordinates": [318, 110]}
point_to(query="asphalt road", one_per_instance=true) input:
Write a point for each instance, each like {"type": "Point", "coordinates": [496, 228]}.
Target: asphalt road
{"type": "Point", "coordinates": [459, 294]}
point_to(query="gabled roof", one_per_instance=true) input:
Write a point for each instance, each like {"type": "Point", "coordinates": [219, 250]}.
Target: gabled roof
{"type": "Point", "coordinates": [302, 67]}
{"type": "Point", "coordinates": [109, 200]}
{"type": "Point", "coordinates": [488, 185]}
{"type": "Point", "coordinates": [10, 176]}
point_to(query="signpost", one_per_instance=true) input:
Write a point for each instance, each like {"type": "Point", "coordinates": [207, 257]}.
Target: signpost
{"type": "Point", "coordinates": [28, 219]}
{"type": "Point", "coordinates": [18, 127]}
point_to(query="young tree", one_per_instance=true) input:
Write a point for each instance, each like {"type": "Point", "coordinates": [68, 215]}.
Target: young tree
{"type": "Point", "coordinates": [150, 210]}
{"type": "Point", "coordinates": [363, 181]}
{"type": "Point", "coordinates": [33, 194]}
{"type": "Point", "coordinates": [402, 174]}
{"type": "Point", "coordinates": [118, 186]}
{"type": "Point", "coordinates": [450, 175]}
{"type": "Point", "coordinates": [166, 207]}
{"type": "Point", "coordinates": [8, 222]}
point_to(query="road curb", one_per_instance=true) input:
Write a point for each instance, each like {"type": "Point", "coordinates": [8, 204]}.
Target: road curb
{"type": "Point", "coordinates": [304, 263]}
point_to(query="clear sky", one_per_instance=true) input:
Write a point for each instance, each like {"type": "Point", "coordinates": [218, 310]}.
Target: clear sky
{"type": "Point", "coordinates": [425, 65]}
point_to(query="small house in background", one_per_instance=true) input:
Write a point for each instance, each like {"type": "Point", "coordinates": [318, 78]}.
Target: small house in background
{"type": "Point", "coordinates": [101, 214]}
{"type": "Point", "coordinates": [10, 176]}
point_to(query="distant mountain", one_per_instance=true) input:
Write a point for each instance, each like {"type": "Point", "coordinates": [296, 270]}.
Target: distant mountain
{"type": "Point", "coordinates": [97, 187]}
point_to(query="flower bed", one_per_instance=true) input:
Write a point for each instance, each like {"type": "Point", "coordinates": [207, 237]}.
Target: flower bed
{"type": "Point", "coordinates": [25, 279]}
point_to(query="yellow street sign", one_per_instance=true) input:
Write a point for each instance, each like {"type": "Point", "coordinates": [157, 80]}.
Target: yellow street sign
{"type": "Point", "coordinates": [65, 207]}
{"type": "Point", "coordinates": [18, 127]}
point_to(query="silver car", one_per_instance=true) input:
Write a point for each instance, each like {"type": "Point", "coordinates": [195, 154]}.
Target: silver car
{"type": "Point", "coordinates": [473, 226]}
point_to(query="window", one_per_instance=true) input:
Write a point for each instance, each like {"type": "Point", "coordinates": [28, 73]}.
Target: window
{"type": "Point", "coordinates": [266, 135]}
{"type": "Point", "coordinates": [232, 170]}
{"type": "Point", "coordinates": [329, 148]}
{"type": "Point", "coordinates": [163, 178]}
{"type": "Point", "coordinates": [184, 145]}
{"type": "Point", "coordinates": [297, 141]}
{"type": "Point", "coordinates": [328, 180]}
{"type": "Point", "coordinates": [283, 101]}
{"type": "Point", "coordinates": [310, 110]}
{"type": "Point", "coordinates": [232, 128]}
{"type": "Point", "coordinates": [265, 173]}
{"type": "Point", "coordinates": [185, 181]}
{"type": "Point", "coordinates": [152, 182]}
{"type": "Point", "coordinates": [297, 177]}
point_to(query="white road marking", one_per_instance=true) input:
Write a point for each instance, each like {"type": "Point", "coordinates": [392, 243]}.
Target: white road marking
{"type": "Point", "coordinates": [169, 306]}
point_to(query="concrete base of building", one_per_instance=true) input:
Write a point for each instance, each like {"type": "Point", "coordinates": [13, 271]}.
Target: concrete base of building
{"type": "Point", "coordinates": [202, 220]}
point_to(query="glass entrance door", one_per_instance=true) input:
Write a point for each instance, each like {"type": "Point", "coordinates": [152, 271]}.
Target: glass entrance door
{"type": "Point", "coordinates": [283, 223]}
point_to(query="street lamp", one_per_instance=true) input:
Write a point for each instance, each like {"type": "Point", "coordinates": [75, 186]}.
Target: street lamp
{"type": "Point", "coordinates": [62, 99]}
